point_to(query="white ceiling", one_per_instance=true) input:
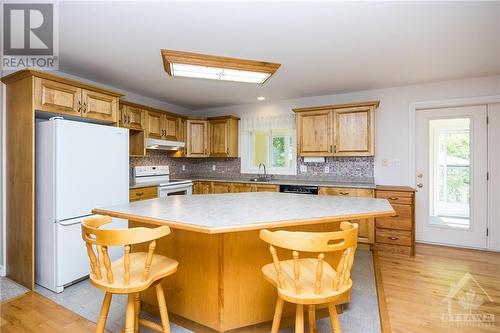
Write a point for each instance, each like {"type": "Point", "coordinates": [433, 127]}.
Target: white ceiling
{"type": "Point", "coordinates": [324, 48]}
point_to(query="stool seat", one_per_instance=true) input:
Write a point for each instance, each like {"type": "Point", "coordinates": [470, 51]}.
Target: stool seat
{"type": "Point", "coordinates": [161, 267]}
{"type": "Point", "coordinates": [307, 293]}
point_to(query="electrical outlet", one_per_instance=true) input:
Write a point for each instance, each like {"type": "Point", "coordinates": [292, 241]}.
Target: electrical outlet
{"type": "Point", "coordinates": [385, 162]}
{"type": "Point", "coordinates": [183, 167]}
{"type": "Point", "coordinates": [327, 169]}
{"type": "Point", "coordinates": [303, 168]}
{"type": "Point", "coordinates": [396, 163]}
{"type": "Point", "coordinates": [214, 167]}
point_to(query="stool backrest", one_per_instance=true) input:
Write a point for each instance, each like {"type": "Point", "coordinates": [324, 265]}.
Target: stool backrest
{"type": "Point", "coordinates": [344, 241]}
{"type": "Point", "coordinates": [100, 239]}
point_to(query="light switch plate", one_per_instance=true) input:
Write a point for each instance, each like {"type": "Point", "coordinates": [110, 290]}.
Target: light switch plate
{"type": "Point", "coordinates": [183, 167]}
{"type": "Point", "coordinates": [303, 168]}
{"type": "Point", "coordinates": [385, 162]}
{"type": "Point", "coordinates": [214, 167]}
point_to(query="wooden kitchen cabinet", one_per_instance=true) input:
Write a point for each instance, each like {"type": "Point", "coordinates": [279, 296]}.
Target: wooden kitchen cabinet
{"type": "Point", "coordinates": [67, 99]}
{"type": "Point", "coordinates": [223, 136]}
{"type": "Point", "coordinates": [132, 117]}
{"type": "Point", "coordinates": [52, 96]}
{"type": "Point", "coordinates": [143, 193]}
{"type": "Point", "coordinates": [266, 188]}
{"type": "Point", "coordinates": [353, 131]}
{"type": "Point", "coordinates": [170, 127]}
{"type": "Point", "coordinates": [99, 106]}
{"type": "Point", "coordinates": [366, 227]}
{"type": "Point", "coordinates": [197, 138]}
{"type": "Point", "coordinates": [218, 187]}
{"type": "Point", "coordinates": [200, 187]}
{"type": "Point", "coordinates": [336, 130]}
{"type": "Point", "coordinates": [241, 187]}
{"type": "Point", "coordinates": [154, 125]}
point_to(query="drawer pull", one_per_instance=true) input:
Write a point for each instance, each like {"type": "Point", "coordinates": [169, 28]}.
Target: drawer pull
{"type": "Point", "coordinates": [139, 193]}
{"type": "Point", "coordinates": [397, 215]}
{"type": "Point", "coordinates": [393, 238]}
{"type": "Point", "coordinates": [344, 193]}
{"type": "Point", "coordinates": [393, 198]}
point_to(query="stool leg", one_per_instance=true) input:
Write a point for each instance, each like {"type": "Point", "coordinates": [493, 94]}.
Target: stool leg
{"type": "Point", "coordinates": [129, 316]}
{"type": "Point", "coordinates": [103, 315]}
{"type": "Point", "coordinates": [299, 319]}
{"type": "Point", "coordinates": [312, 318]}
{"type": "Point", "coordinates": [334, 318]}
{"type": "Point", "coordinates": [277, 315]}
{"type": "Point", "coordinates": [162, 305]}
{"type": "Point", "coordinates": [137, 311]}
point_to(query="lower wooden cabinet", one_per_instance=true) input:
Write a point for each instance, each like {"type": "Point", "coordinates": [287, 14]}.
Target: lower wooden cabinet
{"type": "Point", "coordinates": [241, 187]}
{"type": "Point", "coordinates": [204, 187]}
{"type": "Point", "coordinates": [266, 188]}
{"type": "Point", "coordinates": [143, 193]}
{"type": "Point", "coordinates": [366, 229]}
{"type": "Point", "coordinates": [396, 234]}
{"type": "Point", "coordinates": [221, 187]}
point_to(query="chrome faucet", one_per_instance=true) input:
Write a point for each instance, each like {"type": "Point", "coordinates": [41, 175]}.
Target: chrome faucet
{"type": "Point", "coordinates": [265, 173]}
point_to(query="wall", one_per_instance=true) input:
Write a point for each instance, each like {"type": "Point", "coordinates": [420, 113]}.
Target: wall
{"type": "Point", "coordinates": [129, 96]}
{"type": "Point", "coordinates": [392, 119]}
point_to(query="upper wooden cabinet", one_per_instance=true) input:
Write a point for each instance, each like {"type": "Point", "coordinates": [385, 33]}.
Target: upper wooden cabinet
{"type": "Point", "coordinates": [68, 99]}
{"type": "Point", "coordinates": [197, 138]}
{"type": "Point", "coordinates": [336, 130]}
{"type": "Point", "coordinates": [132, 117]}
{"type": "Point", "coordinates": [314, 130]}
{"type": "Point", "coordinates": [223, 136]}
{"type": "Point", "coordinates": [353, 131]}
{"type": "Point", "coordinates": [162, 126]}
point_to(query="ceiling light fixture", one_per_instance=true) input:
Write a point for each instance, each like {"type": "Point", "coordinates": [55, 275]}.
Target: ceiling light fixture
{"type": "Point", "coordinates": [194, 65]}
{"type": "Point", "coordinates": [261, 98]}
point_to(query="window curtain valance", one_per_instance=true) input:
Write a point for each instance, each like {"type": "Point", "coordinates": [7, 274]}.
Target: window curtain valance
{"type": "Point", "coordinates": [249, 124]}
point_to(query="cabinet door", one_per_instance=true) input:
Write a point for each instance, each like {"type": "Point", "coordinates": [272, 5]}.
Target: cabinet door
{"type": "Point", "coordinates": [123, 119]}
{"type": "Point", "coordinates": [135, 118]}
{"type": "Point", "coordinates": [221, 187]}
{"type": "Point", "coordinates": [57, 97]}
{"type": "Point", "coordinates": [314, 130]}
{"type": "Point", "coordinates": [197, 138]}
{"type": "Point", "coordinates": [266, 188]}
{"type": "Point", "coordinates": [154, 125]}
{"type": "Point", "coordinates": [366, 227]}
{"type": "Point", "coordinates": [170, 125]}
{"type": "Point", "coordinates": [99, 106]}
{"type": "Point", "coordinates": [353, 128]}
{"type": "Point", "coordinates": [218, 137]}
{"type": "Point", "coordinates": [205, 188]}
{"type": "Point", "coordinates": [241, 187]}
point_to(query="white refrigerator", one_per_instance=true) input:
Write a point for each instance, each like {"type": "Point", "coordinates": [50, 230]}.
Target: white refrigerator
{"type": "Point", "coordinates": [79, 166]}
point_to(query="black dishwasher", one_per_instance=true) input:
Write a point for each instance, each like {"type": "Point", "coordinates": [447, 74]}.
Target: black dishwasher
{"type": "Point", "coordinates": [299, 189]}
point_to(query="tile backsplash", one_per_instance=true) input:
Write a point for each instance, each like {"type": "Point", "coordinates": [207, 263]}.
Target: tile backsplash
{"type": "Point", "coordinates": [343, 169]}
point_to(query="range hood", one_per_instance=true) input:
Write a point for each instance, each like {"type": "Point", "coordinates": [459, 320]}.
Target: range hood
{"type": "Point", "coordinates": [164, 144]}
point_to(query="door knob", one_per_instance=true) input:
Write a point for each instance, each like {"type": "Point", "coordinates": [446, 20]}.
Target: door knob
{"type": "Point", "coordinates": [420, 185]}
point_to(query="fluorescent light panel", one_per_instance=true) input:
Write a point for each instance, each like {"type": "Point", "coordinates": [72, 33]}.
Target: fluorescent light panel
{"type": "Point", "coordinates": [216, 73]}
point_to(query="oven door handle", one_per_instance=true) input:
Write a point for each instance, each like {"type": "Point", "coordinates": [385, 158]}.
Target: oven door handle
{"type": "Point", "coordinates": [174, 187]}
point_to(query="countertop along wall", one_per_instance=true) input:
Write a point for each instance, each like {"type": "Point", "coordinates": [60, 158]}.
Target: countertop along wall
{"type": "Point", "coordinates": [392, 118]}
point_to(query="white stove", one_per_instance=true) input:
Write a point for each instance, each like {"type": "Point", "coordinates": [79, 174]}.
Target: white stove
{"type": "Point", "coordinates": [159, 175]}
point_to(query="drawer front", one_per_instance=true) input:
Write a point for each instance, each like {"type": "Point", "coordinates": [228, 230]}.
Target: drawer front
{"type": "Point", "coordinates": [402, 220]}
{"type": "Point", "coordinates": [350, 192]}
{"type": "Point", "coordinates": [137, 194]}
{"type": "Point", "coordinates": [397, 249]}
{"type": "Point", "coordinates": [397, 237]}
{"type": "Point", "coordinates": [403, 198]}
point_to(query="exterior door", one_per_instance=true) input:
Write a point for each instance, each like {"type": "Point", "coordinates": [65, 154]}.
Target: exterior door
{"type": "Point", "coordinates": [451, 171]}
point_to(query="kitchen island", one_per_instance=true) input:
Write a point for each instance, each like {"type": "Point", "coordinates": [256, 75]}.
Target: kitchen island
{"type": "Point", "coordinates": [215, 238]}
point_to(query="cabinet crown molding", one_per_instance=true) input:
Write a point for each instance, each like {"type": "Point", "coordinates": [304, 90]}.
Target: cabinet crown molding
{"type": "Point", "coordinates": [338, 106]}
{"type": "Point", "coordinates": [24, 73]}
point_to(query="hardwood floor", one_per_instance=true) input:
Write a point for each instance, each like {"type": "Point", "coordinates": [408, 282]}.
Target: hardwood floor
{"type": "Point", "coordinates": [33, 313]}
{"type": "Point", "coordinates": [412, 291]}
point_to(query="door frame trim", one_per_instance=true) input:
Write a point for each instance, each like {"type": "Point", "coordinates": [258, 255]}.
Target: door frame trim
{"type": "Point", "coordinates": [415, 106]}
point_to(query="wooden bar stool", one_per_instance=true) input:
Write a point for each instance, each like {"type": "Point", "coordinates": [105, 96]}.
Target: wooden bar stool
{"type": "Point", "coordinates": [310, 281]}
{"type": "Point", "coordinates": [131, 274]}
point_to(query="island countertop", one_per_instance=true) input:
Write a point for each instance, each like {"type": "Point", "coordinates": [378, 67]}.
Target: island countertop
{"type": "Point", "coordinates": [230, 212]}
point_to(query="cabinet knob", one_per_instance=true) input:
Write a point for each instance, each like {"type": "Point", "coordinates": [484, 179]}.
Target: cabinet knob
{"type": "Point", "coordinates": [393, 198]}
{"type": "Point", "coordinates": [393, 238]}
{"type": "Point", "coordinates": [139, 193]}
{"type": "Point", "coordinates": [344, 193]}
{"type": "Point", "coordinates": [85, 107]}
{"type": "Point", "coordinates": [79, 106]}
